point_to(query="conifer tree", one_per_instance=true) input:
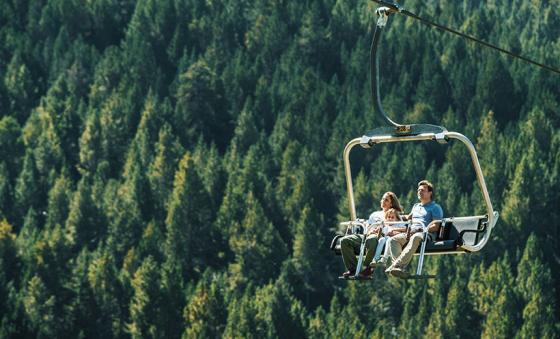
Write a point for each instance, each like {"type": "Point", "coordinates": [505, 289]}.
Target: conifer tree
{"type": "Point", "coordinates": [495, 297]}
{"type": "Point", "coordinates": [58, 207]}
{"type": "Point", "coordinates": [6, 191]}
{"type": "Point", "coordinates": [107, 293]}
{"type": "Point", "coordinates": [124, 219]}
{"type": "Point", "coordinates": [535, 286]}
{"type": "Point", "coordinates": [161, 170]}
{"type": "Point", "coordinates": [206, 314]}
{"type": "Point", "coordinates": [19, 84]}
{"type": "Point", "coordinates": [276, 307]}
{"type": "Point", "coordinates": [90, 142]}
{"type": "Point", "coordinates": [41, 138]}
{"type": "Point", "coordinates": [242, 321]}
{"type": "Point", "coordinates": [144, 305]}
{"type": "Point", "coordinates": [211, 170]}
{"type": "Point", "coordinates": [85, 225]}
{"type": "Point", "coordinates": [200, 106]}
{"type": "Point", "coordinates": [495, 89]}
{"type": "Point", "coordinates": [115, 132]}
{"type": "Point", "coordinates": [8, 263]}
{"type": "Point", "coordinates": [40, 308]}
{"type": "Point", "coordinates": [521, 192]}
{"type": "Point", "coordinates": [256, 244]}
{"type": "Point", "coordinates": [11, 146]}
{"type": "Point", "coordinates": [81, 307]}
{"type": "Point", "coordinates": [190, 235]}
{"type": "Point", "coordinates": [491, 155]}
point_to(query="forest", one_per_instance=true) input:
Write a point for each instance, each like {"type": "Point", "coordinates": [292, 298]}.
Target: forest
{"type": "Point", "coordinates": [173, 168]}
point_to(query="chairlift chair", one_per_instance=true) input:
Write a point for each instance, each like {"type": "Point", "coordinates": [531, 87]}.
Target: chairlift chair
{"type": "Point", "coordinates": [457, 234]}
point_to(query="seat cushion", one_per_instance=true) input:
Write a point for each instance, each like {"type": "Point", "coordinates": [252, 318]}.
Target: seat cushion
{"type": "Point", "coordinates": [440, 245]}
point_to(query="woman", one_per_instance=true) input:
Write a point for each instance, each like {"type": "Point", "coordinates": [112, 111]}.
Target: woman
{"type": "Point", "coordinates": [351, 242]}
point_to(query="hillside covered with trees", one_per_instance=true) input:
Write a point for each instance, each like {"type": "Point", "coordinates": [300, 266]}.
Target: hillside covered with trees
{"type": "Point", "coordinates": [174, 168]}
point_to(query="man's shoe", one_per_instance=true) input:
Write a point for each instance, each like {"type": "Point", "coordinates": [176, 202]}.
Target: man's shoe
{"type": "Point", "coordinates": [389, 269]}
{"type": "Point", "coordinates": [399, 273]}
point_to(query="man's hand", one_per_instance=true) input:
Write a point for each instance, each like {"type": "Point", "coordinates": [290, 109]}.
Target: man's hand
{"type": "Point", "coordinates": [434, 226]}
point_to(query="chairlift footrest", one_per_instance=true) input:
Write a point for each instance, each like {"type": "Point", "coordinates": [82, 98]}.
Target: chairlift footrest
{"type": "Point", "coordinates": [355, 278]}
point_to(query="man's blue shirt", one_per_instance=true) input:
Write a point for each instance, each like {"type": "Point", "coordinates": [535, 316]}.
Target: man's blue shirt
{"type": "Point", "coordinates": [422, 215]}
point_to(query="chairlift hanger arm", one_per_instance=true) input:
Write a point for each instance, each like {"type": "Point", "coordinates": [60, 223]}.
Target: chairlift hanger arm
{"type": "Point", "coordinates": [396, 8]}
{"type": "Point", "coordinates": [394, 128]}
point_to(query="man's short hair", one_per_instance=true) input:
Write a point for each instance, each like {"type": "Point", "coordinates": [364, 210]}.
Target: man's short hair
{"type": "Point", "coordinates": [429, 185]}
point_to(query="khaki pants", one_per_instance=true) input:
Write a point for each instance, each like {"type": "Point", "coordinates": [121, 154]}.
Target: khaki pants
{"type": "Point", "coordinates": [353, 241]}
{"type": "Point", "coordinates": [402, 257]}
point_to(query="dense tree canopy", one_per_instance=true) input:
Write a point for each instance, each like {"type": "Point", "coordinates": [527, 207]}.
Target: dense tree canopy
{"type": "Point", "coordinates": [173, 168]}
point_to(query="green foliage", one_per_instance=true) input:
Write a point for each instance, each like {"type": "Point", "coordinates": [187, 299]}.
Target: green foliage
{"type": "Point", "coordinates": [205, 315]}
{"type": "Point", "coordinates": [144, 303]}
{"type": "Point", "coordinates": [190, 235]}
{"type": "Point", "coordinates": [257, 245]}
{"type": "Point", "coordinates": [173, 169]}
{"type": "Point", "coordinates": [39, 308]}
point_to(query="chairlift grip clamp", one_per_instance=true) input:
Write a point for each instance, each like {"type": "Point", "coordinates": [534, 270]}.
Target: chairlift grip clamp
{"type": "Point", "coordinates": [441, 138]}
{"type": "Point", "coordinates": [383, 13]}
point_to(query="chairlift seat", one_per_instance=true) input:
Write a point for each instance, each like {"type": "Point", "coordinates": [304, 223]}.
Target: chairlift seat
{"type": "Point", "coordinates": [453, 233]}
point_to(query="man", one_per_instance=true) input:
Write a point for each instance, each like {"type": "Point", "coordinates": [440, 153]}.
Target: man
{"type": "Point", "coordinates": [352, 242]}
{"type": "Point", "coordinates": [426, 213]}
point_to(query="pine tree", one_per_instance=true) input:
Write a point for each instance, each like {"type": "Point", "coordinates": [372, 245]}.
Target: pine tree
{"type": "Point", "coordinates": [257, 246]}
{"type": "Point", "coordinates": [200, 106]}
{"type": "Point", "coordinates": [495, 88]}
{"type": "Point", "coordinates": [6, 191]}
{"type": "Point", "coordinates": [41, 137]}
{"type": "Point", "coordinates": [275, 308]}
{"type": "Point", "coordinates": [205, 314]}
{"type": "Point", "coordinates": [242, 319]}
{"type": "Point", "coordinates": [11, 146]}
{"type": "Point", "coordinates": [161, 170]}
{"type": "Point", "coordinates": [188, 222]}
{"type": "Point", "coordinates": [495, 298]}
{"type": "Point", "coordinates": [8, 263]}
{"type": "Point", "coordinates": [107, 293]}
{"type": "Point", "coordinates": [59, 201]}
{"type": "Point", "coordinates": [40, 308]}
{"type": "Point", "coordinates": [309, 256]}
{"type": "Point", "coordinates": [144, 305]}
{"type": "Point", "coordinates": [124, 213]}
{"type": "Point", "coordinates": [18, 81]}
{"type": "Point", "coordinates": [28, 190]}
{"type": "Point", "coordinates": [85, 225]}
{"type": "Point", "coordinates": [81, 307]}
{"type": "Point", "coordinates": [535, 286]}
{"type": "Point", "coordinates": [90, 144]}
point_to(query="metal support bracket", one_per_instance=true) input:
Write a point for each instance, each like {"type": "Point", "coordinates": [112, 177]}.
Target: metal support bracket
{"type": "Point", "coordinates": [383, 13]}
